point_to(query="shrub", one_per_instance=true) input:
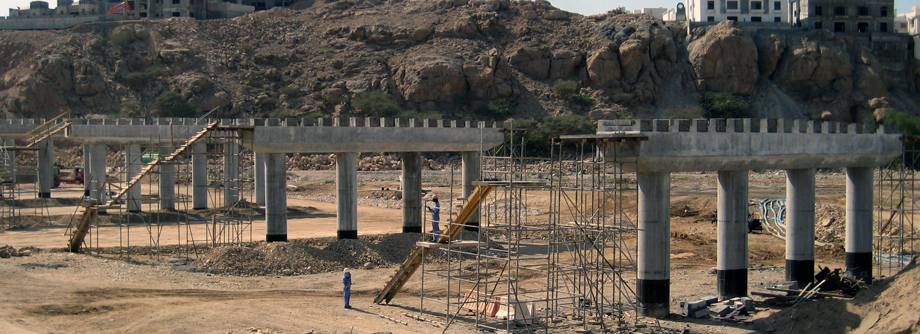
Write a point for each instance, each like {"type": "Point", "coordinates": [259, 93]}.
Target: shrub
{"type": "Point", "coordinates": [500, 108]}
{"type": "Point", "coordinates": [684, 113]}
{"type": "Point", "coordinates": [565, 88]}
{"type": "Point", "coordinates": [420, 115]}
{"type": "Point", "coordinates": [315, 114]}
{"type": "Point", "coordinates": [375, 103]}
{"type": "Point", "coordinates": [283, 113]}
{"type": "Point", "coordinates": [724, 105]}
{"type": "Point", "coordinates": [291, 91]}
{"type": "Point", "coordinates": [141, 78]}
{"type": "Point", "coordinates": [538, 137]}
{"type": "Point", "coordinates": [172, 104]}
{"type": "Point", "coordinates": [904, 123]}
{"type": "Point", "coordinates": [583, 100]}
{"type": "Point", "coordinates": [267, 104]}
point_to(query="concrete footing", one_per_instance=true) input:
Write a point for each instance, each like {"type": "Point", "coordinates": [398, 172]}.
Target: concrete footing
{"type": "Point", "coordinates": [199, 177]}
{"type": "Point", "coordinates": [800, 226]}
{"type": "Point", "coordinates": [167, 179]}
{"type": "Point", "coordinates": [472, 168]}
{"type": "Point", "coordinates": [45, 168]}
{"type": "Point", "coordinates": [412, 192]}
{"type": "Point", "coordinates": [133, 163]}
{"type": "Point", "coordinates": [653, 283]}
{"type": "Point", "coordinates": [859, 223]}
{"type": "Point", "coordinates": [275, 197]}
{"type": "Point", "coordinates": [346, 176]}
{"type": "Point", "coordinates": [732, 277]}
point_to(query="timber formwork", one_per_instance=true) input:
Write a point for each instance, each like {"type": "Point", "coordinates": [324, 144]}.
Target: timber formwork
{"type": "Point", "coordinates": [550, 253]}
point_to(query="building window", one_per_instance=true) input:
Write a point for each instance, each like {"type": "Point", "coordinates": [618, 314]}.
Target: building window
{"type": "Point", "coordinates": [863, 11]}
{"type": "Point", "coordinates": [732, 5]}
{"type": "Point", "coordinates": [818, 25]}
{"type": "Point", "coordinates": [883, 26]}
{"type": "Point", "coordinates": [777, 5]}
{"type": "Point", "coordinates": [710, 5]}
{"type": "Point", "coordinates": [777, 19]}
{"type": "Point", "coordinates": [840, 11]}
{"type": "Point", "coordinates": [756, 5]}
{"type": "Point", "coordinates": [143, 15]}
{"type": "Point", "coordinates": [176, 2]}
{"type": "Point", "coordinates": [732, 18]}
{"type": "Point", "coordinates": [710, 18]}
{"type": "Point", "coordinates": [884, 12]}
{"type": "Point", "coordinates": [756, 19]}
{"type": "Point", "coordinates": [839, 26]}
{"type": "Point", "coordinates": [862, 27]}
{"type": "Point", "coordinates": [176, 14]}
{"type": "Point", "coordinates": [819, 11]}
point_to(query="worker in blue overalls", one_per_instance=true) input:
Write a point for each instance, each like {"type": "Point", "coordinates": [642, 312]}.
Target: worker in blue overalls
{"type": "Point", "coordinates": [346, 281]}
{"type": "Point", "coordinates": [435, 217]}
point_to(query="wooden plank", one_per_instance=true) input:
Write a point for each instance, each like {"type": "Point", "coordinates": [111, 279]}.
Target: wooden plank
{"type": "Point", "coordinates": [76, 241]}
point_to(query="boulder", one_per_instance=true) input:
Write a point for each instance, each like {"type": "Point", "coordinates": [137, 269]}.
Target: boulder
{"type": "Point", "coordinates": [632, 59]}
{"type": "Point", "coordinates": [555, 14]}
{"type": "Point", "coordinates": [530, 61]}
{"type": "Point", "coordinates": [431, 78]}
{"type": "Point", "coordinates": [770, 48]}
{"type": "Point", "coordinates": [725, 60]}
{"type": "Point", "coordinates": [564, 63]}
{"type": "Point", "coordinates": [604, 67]}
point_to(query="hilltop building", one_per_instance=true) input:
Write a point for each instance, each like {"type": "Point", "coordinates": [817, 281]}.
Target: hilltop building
{"type": "Point", "coordinates": [738, 10]}
{"type": "Point", "coordinates": [844, 16]}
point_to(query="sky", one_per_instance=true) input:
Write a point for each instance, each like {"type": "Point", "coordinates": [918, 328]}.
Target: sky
{"type": "Point", "coordinates": [586, 7]}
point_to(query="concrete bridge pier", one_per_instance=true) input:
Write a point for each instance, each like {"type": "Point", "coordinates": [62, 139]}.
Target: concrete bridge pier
{"type": "Point", "coordinates": [275, 190]}
{"type": "Point", "coordinates": [471, 165]}
{"type": "Point", "coordinates": [133, 168]}
{"type": "Point", "coordinates": [45, 168]}
{"type": "Point", "coordinates": [653, 283]}
{"type": "Point", "coordinates": [412, 192]}
{"type": "Point", "coordinates": [167, 179]}
{"type": "Point", "coordinates": [346, 165]}
{"type": "Point", "coordinates": [732, 259]}
{"type": "Point", "coordinates": [231, 173]}
{"type": "Point", "coordinates": [9, 159]}
{"type": "Point", "coordinates": [94, 173]}
{"type": "Point", "coordinates": [800, 226]}
{"type": "Point", "coordinates": [859, 223]}
{"type": "Point", "coordinates": [259, 175]}
{"type": "Point", "coordinates": [199, 176]}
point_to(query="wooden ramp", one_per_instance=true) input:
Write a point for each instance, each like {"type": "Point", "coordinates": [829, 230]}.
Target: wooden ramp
{"type": "Point", "coordinates": [414, 261]}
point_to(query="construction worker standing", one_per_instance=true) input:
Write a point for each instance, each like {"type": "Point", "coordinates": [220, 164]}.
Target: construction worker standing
{"type": "Point", "coordinates": [435, 216]}
{"type": "Point", "coordinates": [346, 281]}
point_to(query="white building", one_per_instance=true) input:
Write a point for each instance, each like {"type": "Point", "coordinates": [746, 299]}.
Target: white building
{"type": "Point", "coordinates": [653, 12]}
{"type": "Point", "coordinates": [909, 23]}
{"type": "Point", "coordinates": [738, 10]}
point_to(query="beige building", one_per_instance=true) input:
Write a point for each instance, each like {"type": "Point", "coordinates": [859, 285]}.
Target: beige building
{"type": "Point", "coordinates": [844, 16]}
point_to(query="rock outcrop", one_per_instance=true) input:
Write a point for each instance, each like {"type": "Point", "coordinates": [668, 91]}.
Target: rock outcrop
{"type": "Point", "coordinates": [725, 60]}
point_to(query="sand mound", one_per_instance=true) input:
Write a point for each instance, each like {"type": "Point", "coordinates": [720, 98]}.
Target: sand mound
{"type": "Point", "coordinates": [830, 224]}
{"type": "Point", "coordinates": [397, 247]}
{"type": "Point", "coordinates": [889, 306]}
{"type": "Point", "coordinates": [358, 252]}
{"type": "Point", "coordinates": [277, 258]}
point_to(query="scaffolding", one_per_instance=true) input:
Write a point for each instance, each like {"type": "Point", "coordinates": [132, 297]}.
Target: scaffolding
{"type": "Point", "coordinates": [550, 253]}
{"type": "Point", "coordinates": [896, 234]}
{"type": "Point", "coordinates": [230, 190]}
{"type": "Point", "coordinates": [19, 176]}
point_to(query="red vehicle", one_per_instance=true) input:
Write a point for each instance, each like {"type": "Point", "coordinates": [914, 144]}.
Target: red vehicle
{"type": "Point", "coordinates": [71, 176]}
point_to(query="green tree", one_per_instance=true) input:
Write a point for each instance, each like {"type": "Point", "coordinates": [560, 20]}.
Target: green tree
{"type": "Point", "coordinates": [172, 104]}
{"type": "Point", "coordinates": [724, 105]}
{"type": "Point", "coordinates": [565, 88]}
{"type": "Point", "coordinates": [537, 136]}
{"type": "Point", "coordinates": [376, 103]}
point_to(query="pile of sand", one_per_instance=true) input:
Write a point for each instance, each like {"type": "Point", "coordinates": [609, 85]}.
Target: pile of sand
{"type": "Point", "coordinates": [889, 306]}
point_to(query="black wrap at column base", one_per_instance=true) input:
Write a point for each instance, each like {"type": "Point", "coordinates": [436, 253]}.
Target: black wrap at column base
{"type": "Point", "coordinates": [275, 237]}
{"type": "Point", "coordinates": [204, 208]}
{"type": "Point", "coordinates": [732, 283]}
{"type": "Point", "coordinates": [44, 195]}
{"type": "Point", "coordinates": [412, 229]}
{"type": "Point", "coordinates": [859, 265]}
{"type": "Point", "coordinates": [471, 226]}
{"type": "Point", "coordinates": [802, 271]}
{"type": "Point", "coordinates": [653, 297]}
{"type": "Point", "coordinates": [353, 234]}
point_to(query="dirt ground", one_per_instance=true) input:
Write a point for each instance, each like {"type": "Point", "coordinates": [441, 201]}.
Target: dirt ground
{"type": "Point", "coordinates": [51, 291]}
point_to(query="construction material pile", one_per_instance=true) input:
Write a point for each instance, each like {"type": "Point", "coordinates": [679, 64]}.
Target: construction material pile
{"type": "Point", "coordinates": [10, 251]}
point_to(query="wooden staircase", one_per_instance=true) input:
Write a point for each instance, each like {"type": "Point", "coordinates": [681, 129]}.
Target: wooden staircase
{"type": "Point", "coordinates": [48, 129]}
{"type": "Point", "coordinates": [92, 208]}
{"type": "Point", "coordinates": [414, 261]}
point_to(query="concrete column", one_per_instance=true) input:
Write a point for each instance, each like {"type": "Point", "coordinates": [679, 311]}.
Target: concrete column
{"type": "Point", "coordinates": [231, 173]}
{"type": "Point", "coordinates": [199, 176]}
{"type": "Point", "coordinates": [167, 181]}
{"type": "Point", "coordinates": [471, 172]}
{"type": "Point", "coordinates": [800, 226]}
{"type": "Point", "coordinates": [859, 223]}
{"type": "Point", "coordinates": [94, 176]}
{"type": "Point", "coordinates": [412, 192]}
{"type": "Point", "coordinates": [133, 164]}
{"type": "Point", "coordinates": [732, 263]}
{"type": "Point", "coordinates": [275, 197]}
{"type": "Point", "coordinates": [10, 159]}
{"type": "Point", "coordinates": [45, 168]}
{"type": "Point", "coordinates": [346, 181]}
{"type": "Point", "coordinates": [86, 152]}
{"type": "Point", "coordinates": [653, 283]}
{"type": "Point", "coordinates": [259, 171]}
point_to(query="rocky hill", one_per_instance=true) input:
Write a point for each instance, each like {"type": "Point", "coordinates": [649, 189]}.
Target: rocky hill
{"type": "Point", "coordinates": [455, 58]}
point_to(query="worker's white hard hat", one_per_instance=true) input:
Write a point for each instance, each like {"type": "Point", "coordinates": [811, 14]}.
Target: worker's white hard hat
{"type": "Point", "coordinates": [434, 197]}
{"type": "Point", "coordinates": [346, 270]}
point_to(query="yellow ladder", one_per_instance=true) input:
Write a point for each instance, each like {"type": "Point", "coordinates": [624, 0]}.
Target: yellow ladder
{"type": "Point", "coordinates": [47, 129]}
{"type": "Point", "coordinates": [414, 261]}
